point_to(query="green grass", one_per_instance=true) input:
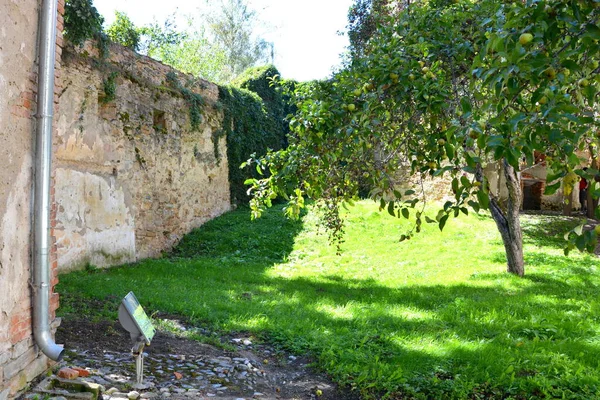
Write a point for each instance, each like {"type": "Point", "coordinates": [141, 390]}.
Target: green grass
{"type": "Point", "coordinates": [433, 317]}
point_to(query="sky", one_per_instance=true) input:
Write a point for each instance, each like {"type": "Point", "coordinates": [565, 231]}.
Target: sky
{"type": "Point", "coordinates": [304, 33]}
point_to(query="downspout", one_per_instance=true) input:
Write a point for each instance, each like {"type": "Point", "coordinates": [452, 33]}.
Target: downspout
{"type": "Point", "coordinates": [43, 167]}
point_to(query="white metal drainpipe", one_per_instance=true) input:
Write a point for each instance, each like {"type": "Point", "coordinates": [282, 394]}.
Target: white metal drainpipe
{"type": "Point", "coordinates": [43, 167]}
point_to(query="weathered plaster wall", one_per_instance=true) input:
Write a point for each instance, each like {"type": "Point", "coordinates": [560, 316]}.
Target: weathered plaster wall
{"type": "Point", "coordinates": [132, 176]}
{"type": "Point", "coordinates": [20, 359]}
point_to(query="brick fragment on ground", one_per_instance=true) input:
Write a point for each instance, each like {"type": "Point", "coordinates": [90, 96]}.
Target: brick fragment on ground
{"type": "Point", "coordinates": [67, 373]}
{"type": "Point", "coordinates": [84, 373]}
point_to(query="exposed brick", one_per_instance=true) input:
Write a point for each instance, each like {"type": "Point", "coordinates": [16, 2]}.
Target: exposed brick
{"type": "Point", "coordinates": [28, 95]}
{"type": "Point", "coordinates": [20, 326]}
{"type": "Point", "coordinates": [20, 333]}
{"type": "Point", "coordinates": [67, 373]}
{"type": "Point", "coordinates": [54, 300]}
{"type": "Point", "coordinates": [20, 112]}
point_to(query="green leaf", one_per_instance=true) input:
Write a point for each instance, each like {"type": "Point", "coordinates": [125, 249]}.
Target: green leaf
{"type": "Point", "coordinates": [571, 65]}
{"type": "Point", "coordinates": [443, 222]}
{"type": "Point", "coordinates": [551, 189]}
{"type": "Point", "coordinates": [474, 205]}
{"type": "Point", "coordinates": [449, 150]}
{"type": "Point", "coordinates": [590, 94]}
{"type": "Point", "coordinates": [390, 209]}
{"type": "Point", "coordinates": [465, 181]}
{"type": "Point", "coordinates": [580, 243]}
{"type": "Point", "coordinates": [405, 213]}
{"type": "Point", "coordinates": [455, 185]}
{"type": "Point", "coordinates": [483, 198]}
{"type": "Point", "coordinates": [465, 105]}
{"type": "Point", "coordinates": [592, 31]}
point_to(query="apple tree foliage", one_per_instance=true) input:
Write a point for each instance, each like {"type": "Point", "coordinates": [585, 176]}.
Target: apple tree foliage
{"type": "Point", "coordinates": [446, 88]}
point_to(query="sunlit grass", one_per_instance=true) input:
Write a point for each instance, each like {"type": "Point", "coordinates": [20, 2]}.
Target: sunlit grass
{"type": "Point", "coordinates": [433, 317]}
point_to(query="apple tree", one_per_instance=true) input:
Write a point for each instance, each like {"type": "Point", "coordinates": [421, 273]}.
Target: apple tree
{"type": "Point", "coordinates": [445, 88]}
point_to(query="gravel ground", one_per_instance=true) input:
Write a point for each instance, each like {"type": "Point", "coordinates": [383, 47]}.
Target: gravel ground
{"type": "Point", "coordinates": [179, 368]}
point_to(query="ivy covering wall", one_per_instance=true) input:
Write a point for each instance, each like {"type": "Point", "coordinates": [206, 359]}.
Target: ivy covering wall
{"type": "Point", "coordinates": [254, 110]}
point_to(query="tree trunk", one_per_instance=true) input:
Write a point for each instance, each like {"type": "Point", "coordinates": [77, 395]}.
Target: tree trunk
{"type": "Point", "coordinates": [508, 222]}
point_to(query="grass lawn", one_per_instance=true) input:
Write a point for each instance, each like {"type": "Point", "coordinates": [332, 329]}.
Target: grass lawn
{"type": "Point", "coordinates": [433, 317]}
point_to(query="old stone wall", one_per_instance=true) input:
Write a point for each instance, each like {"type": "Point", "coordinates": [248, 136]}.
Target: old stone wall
{"type": "Point", "coordinates": [132, 175]}
{"type": "Point", "coordinates": [20, 359]}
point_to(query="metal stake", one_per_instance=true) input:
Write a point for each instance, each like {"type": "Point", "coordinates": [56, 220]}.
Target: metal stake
{"type": "Point", "coordinates": [138, 352]}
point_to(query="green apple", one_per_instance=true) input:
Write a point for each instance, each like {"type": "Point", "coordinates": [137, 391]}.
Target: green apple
{"type": "Point", "coordinates": [351, 107]}
{"type": "Point", "coordinates": [357, 92]}
{"type": "Point", "coordinates": [441, 142]}
{"type": "Point", "coordinates": [550, 73]}
{"type": "Point", "coordinates": [525, 38]}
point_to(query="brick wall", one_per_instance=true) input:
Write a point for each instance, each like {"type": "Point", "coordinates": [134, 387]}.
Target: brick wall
{"type": "Point", "coordinates": [20, 359]}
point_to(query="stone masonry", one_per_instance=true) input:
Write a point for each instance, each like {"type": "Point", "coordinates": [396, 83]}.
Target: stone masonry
{"type": "Point", "coordinates": [132, 176]}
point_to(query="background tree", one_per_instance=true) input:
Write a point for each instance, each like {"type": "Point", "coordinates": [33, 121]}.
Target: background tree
{"type": "Point", "coordinates": [189, 50]}
{"type": "Point", "coordinates": [231, 24]}
{"type": "Point", "coordinates": [445, 88]}
{"type": "Point", "coordinates": [124, 32]}
{"type": "Point", "coordinates": [364, 16]}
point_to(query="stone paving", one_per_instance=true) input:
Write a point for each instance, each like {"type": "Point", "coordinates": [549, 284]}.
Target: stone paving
{"type": "Point", "coordinates": [190, 376]}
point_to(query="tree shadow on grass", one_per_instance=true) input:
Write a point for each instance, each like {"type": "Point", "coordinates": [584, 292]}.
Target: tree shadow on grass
{"type": "Point", "coordinates": [548, 230]}
{"type": "Point", "coordinates": [270, 238]}
{"type": "Point", "coordinates": [365, 333]}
